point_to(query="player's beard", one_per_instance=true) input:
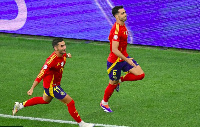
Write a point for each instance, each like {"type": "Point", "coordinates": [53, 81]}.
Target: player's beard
{"type": "Point", "coordinates": [62, 51]}
{"type": "Point", "coordinates": [123, 19]}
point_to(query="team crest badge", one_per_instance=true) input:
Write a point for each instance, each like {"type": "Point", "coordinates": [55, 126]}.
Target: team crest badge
{"type": "Point", "coordinates": [115, 37]}
{"type": "Point", "coordinates": [62, 93]}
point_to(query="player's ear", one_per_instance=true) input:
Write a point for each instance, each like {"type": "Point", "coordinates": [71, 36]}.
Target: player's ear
{"type": "Point", "coordinates": [55, 48]}
{"type": "Point", "coordinates": [117, 16]}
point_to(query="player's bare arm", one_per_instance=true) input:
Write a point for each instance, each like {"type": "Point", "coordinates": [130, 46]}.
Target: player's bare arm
{"type": "Point", "coordinates": [30, 92]}
{"type": "Point", "coordinates": [115, 45]}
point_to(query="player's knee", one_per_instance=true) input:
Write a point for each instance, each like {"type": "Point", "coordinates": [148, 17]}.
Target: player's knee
{"type": "Point", "coordinates": [138, 77]}
{"type": "Point", "coordinates": [71, 103]}
{"type": "Point", "coordinates": [113, 82]}
{"type": "Point", "coordinates": [142, 76]}
{"type": "Point", "coordinates": [45, 101]}
{"type": "Point", "coordinates": [42, 101]}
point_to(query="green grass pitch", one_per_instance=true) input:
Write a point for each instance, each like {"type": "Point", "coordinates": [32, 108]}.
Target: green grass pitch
{"type": "Point", "coordinates": [168, 96]}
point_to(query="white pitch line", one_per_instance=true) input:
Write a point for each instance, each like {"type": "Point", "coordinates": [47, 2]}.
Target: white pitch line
{"type": "Point", "coordinates": [52, 120]}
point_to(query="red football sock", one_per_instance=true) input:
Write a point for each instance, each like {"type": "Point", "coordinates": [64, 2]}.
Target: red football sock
{"type": "Point", "coordinates": [34, 101]}
{"type": "Point", "coordinates": [132, 77]}
{"type": "Point", "coordinates": [73, 112]}
{"type": "Point", "coordinates": [108, 92]}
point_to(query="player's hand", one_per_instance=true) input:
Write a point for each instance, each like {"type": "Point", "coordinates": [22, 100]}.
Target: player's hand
{"type": "Point", "coordinates": [69, 55]}
{"type": "Point", "coordinates": [30, 92]}
{"type": "Point", "coordinates": [129, 61]}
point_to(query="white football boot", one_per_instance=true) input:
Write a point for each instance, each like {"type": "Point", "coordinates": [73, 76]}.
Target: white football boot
{"type": "Point", "coordinates": [16, 108]}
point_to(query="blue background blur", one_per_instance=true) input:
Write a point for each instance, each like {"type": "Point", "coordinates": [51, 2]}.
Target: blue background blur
{"type": "Point", "coordinates": [167, 23]}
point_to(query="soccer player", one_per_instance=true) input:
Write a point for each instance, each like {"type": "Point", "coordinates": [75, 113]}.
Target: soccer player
{"type": "Point", "coordinates": [118, 59]}
{"type": "Point", "coordinates": [51, 73]}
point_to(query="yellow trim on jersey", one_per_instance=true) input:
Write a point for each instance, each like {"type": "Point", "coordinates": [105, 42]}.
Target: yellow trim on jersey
{"type": "Point", "coordinates": [117, 29]}
{"type": "Point", "coordinates": [51, 59]}
{"type": "Point", "coordinates": [64, 58]}
{"type": "Point", "coordinates": [112, 66]}
{"type": "Point", "coordinates": [41, 73]}
{"type": "Point", "coordinates": [51, 87]}
{"type": "Point", "coordinates": [58, 64]}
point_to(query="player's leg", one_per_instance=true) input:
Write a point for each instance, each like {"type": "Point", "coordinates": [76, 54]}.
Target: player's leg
{"type": "Point", "coordinates": [134, 73]}
{"type": "Point", "coordinates": [33, 101]}
{"type": "Point", "coordinates": [47, 98]}
{"type": "Point", "coordinates": [107, 94]}
{"type": "Point", "coordinates": [71, 108]}
{"type": "Point", "coordinates": [110, 89]}
{"type": "Point", "coordinates": [38, 100]}
{"type": "Point", "coordinates": [60, 94]}
{"type": "Point", "coordinates": [114, 76]}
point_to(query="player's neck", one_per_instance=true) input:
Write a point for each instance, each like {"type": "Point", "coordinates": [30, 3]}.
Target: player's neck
{"type": "Point", "coordinates": [58, 54]}
{"type": "Point", "coordinates": [120, 22]}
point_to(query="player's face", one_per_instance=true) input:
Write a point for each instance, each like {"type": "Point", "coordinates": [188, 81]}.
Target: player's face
{"type": "Point", "coordinates": [61, 48]}
{"type": "Point", "coordinates": [122, 16]}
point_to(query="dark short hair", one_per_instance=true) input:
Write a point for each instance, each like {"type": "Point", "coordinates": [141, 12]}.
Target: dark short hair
{"type": "Point", "coordinates": [56, 41]}
{"type": "Point", "coordinates": [116, 9]}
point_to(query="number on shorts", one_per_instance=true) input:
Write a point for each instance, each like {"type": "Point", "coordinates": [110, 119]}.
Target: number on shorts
{"type": "Point", "coordinates": [57, 89]}
{"type": "Point", "coordinates": [114, 72]}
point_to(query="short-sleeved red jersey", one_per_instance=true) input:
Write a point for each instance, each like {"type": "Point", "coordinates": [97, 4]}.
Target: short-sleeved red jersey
{"type": "Point", "coordinates": [51, 72]}
{"type": "Point", "coordinates": [118, 33]}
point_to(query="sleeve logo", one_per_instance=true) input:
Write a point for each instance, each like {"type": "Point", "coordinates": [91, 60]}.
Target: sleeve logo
{"type": "Point", "coordinates": [45, 67]}
{"type": "Point", "coordinates": [62, 64]}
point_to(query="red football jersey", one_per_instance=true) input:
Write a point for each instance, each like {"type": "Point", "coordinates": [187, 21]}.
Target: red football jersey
{"type": "Point", "coordinates": [51, 72]}
{"type": "Point", "coordinates": [118, 33]}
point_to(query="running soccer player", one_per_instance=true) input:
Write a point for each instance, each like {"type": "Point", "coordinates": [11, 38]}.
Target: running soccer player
{"type": "Point", "coordinates": [51, 73]}
{"type": "Point", "coordinates": [118, 59]}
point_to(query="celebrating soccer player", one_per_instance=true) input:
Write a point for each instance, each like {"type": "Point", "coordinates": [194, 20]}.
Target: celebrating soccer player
{"type": "Point", "coordinates": [51, 73]}
{"type": "Point", "coordinates": [118, 58]}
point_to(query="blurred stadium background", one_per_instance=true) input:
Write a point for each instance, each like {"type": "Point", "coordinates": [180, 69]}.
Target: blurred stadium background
{"type": "Point", "coordinates": [165, 23]}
